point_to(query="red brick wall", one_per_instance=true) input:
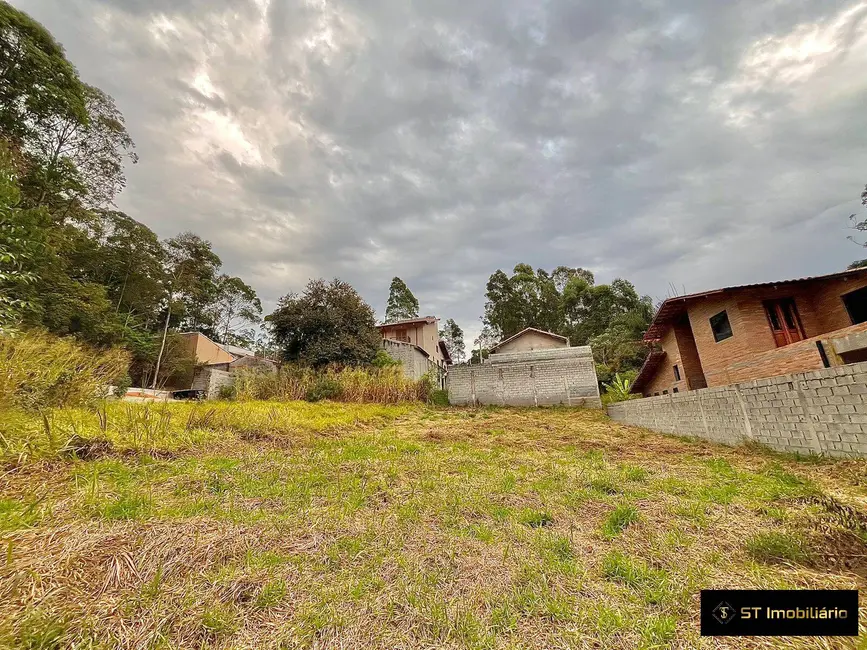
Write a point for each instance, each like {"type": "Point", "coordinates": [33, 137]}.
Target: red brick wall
{"type": "Point", "coordinates": [664, 377]}
{"type": "Point", "coordinates": [691, 369]}
{"type": "Point", "coordinates": [828, 300]}
{"type": "Point", "coordinates": [795, 357]}
{"type": "Point", "coordinates": [819, 305]}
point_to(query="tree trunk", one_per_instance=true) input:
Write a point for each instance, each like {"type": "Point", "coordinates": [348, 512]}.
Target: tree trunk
{"type": "Point", "coordinates": [163, 344]}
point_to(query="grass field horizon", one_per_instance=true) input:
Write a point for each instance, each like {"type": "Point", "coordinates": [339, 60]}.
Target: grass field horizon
{"type": "Point", "coordinates": [248, 525]}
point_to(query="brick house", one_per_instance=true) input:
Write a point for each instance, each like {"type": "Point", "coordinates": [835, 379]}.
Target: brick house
{"type": "Point", "coordinates": [416, 343]}
{"type": "Point", "coordinates": [737, 334]}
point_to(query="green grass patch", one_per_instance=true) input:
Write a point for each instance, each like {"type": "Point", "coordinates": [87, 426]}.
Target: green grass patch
{"type": "Point", "coordinates": [535, 518]}
{"type": "Point", "coordinates": [618, 520]}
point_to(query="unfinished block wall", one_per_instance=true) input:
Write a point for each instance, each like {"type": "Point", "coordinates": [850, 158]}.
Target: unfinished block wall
{"type": "Point", "coordinates": [211, 380]}
{"type": "Point", "coordinates": [537, 378]}
{"type": "Point", "coordinates": [818, 412]}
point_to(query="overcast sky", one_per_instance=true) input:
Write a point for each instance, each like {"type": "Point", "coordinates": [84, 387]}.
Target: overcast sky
{"type": "Point", "coordinates": [694, 142]}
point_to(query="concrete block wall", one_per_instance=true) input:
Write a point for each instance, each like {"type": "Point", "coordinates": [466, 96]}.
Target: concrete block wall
{"type": "Point", "coordinates": [416, 364]}
{"type": "Point", "coordinates": [210, 380]}
{"type": "Point", "coordinates": [535, 378]}
{"type": "Point", "coordinates": [819, 412]}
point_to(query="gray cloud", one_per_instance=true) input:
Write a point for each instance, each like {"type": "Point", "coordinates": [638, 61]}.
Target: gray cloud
{"type": "Point", "coordinates": [694, 143]}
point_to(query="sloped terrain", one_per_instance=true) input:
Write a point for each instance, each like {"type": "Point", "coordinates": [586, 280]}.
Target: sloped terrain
{"type": "Point", "coordinates": [297, 525]}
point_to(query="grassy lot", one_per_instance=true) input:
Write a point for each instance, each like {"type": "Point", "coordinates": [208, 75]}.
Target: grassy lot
{"type": "Point", "coordinates": [361, 526]}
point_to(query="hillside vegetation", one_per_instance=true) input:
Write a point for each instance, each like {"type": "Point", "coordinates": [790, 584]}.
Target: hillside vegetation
{"type": "Point", "coordinates": [242, 525]}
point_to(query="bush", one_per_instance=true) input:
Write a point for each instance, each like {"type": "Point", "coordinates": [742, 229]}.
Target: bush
{"type": "Point", "coordinates": [619, 390]}
{"type": "Point", "coordinates": [324, 388]}
{"type": "Point", "coordinates": [227, 392]}
{"type": "Point", "coordinates": [123, 384]}
{"type": "Point", "coordinates": [40, 370]}
{"type": "Point", "coordinates": [384, 360]}
{"type": "Point", "coordinates": [439, 398]}
{"type": "Point", "coordinates": [292, 382]}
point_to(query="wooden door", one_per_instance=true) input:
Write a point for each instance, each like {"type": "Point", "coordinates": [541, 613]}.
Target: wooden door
{"type": "Point", "coordinates": [784, 321]}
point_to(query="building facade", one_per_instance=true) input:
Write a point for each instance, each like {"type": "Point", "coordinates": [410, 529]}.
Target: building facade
{"type": "Point", "coordinates": [738, 334]}
{"type": "Point", "coordinates": [416, 344]}
{"type": "Point", "coordinates": [530, 339]}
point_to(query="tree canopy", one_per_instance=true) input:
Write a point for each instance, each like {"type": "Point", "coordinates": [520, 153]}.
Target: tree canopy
{"type": "Point", "coordinates": [328, 323]}
{"type": "Point", "coordinates": [70, 262]}
{"type": "Point", "coordinates": [454, 340]}
{"type": "Point", "coordinates": [402, 305]}
{"type": "Point", "coordinates": [567, 301]}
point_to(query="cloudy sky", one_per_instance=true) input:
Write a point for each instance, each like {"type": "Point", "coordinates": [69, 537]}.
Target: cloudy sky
{"type": "Point", "coordinates": [697, 143]}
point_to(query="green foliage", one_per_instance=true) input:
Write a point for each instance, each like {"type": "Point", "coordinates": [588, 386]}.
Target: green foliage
{"type": "Point", "coordinates": [454, 340]}
{"type": "Point", "coordinates": [439, 397]}
{"type": "Point", "coordinates": [324, 388]}
{"type": "Point", "coordinates": [329, 323]}
{"type": "Point", "coordinates": [122, 385]}
{"type": "Point", "coordinates": [536, 518]}
{"type": "Point", "coordinates": [611, 318]}
{"type": "Point", "coordinates": [40, 371]}
{"type": "Point", "coordinates": [38, 83]}
{"type": "Point", "coordinates": [619, 390]}
{"type": "Point", "coordinates": [226, 392]}
{"type": "Point", "coordinates": [219, 619]}
{"type": "Point", "coordinates": [22, 241]}
{"type": "Point", "coordinates": [237, 306]}
{"type": "Point", "coordinates": [384, 360]}
{"type": "Point", "coordinates": [401, 304]}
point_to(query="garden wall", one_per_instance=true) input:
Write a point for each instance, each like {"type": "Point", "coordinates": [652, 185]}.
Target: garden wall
{"type": "Point", "coordinates": [820, 412]}
{"type": "Point", "coordinates": [537, 378]}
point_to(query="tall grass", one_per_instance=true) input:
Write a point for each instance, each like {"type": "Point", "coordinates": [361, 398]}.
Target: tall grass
{"type": "Point", "coordinates": [375, 385]}
{"type": "Point", "coordinates": [38, 370]}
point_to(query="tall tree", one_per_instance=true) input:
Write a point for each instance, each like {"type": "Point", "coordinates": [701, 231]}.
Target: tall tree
{"type": "Point", "coordinates": [22, 247]}
{"type": "Point", "coordinates": [613, 317]}
{"type": "Point", "coordinates": [37, 83]}
{"type": "Point", "coordinates": [191, 272]}
{"type": "Point", "coordinates": [402, 305]}
{"type": "Point", "coordinates": [453, 336]}
{"type": "Point", "coordinates": [237, 307]}
{"type": "Point", "coordinates": [486, 339]}
{"type": "Point", "coordinates": [328, 323]}
{"type": "Point", "coordinates": [527, 298]}
{"type": "Point", "coordinates": [80, 162]}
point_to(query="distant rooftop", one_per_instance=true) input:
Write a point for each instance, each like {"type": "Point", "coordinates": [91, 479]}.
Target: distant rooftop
{"type": "Point", "coordinates": [411, 321]}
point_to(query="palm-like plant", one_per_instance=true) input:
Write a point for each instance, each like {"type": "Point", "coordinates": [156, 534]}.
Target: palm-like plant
{"type": "Point", "coordinates": [619, 390]}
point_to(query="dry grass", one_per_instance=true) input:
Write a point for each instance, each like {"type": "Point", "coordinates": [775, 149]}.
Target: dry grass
{"type": "Point", "coordinates": [360, 526]}
{"type": "Point", "coordinates": [39, 370]}
{"type": "Point", "coordinates": [367, 385]}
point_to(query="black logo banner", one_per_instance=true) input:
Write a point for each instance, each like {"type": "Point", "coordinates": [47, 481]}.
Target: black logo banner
{"type": "Point", "coordinates": [765, 612]}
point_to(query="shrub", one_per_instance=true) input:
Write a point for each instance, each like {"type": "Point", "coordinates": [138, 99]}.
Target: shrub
{"type": "Point", "coordinates": [439, 398]}
{"type": "Point", "coordinates": [227, 392]}
{"type": "Point", "coordinates": [384, 360]}
{"type": "Point", "coordinates": [123, 384]}
{"type": "Point", "coordinates": [619, 390]}
{"type": "Point", "coordinates": [324, 388]}
{"type": "Point", "coordinates": [40, 370]}
{"type": "Point", "coordinates": [292, 382]}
